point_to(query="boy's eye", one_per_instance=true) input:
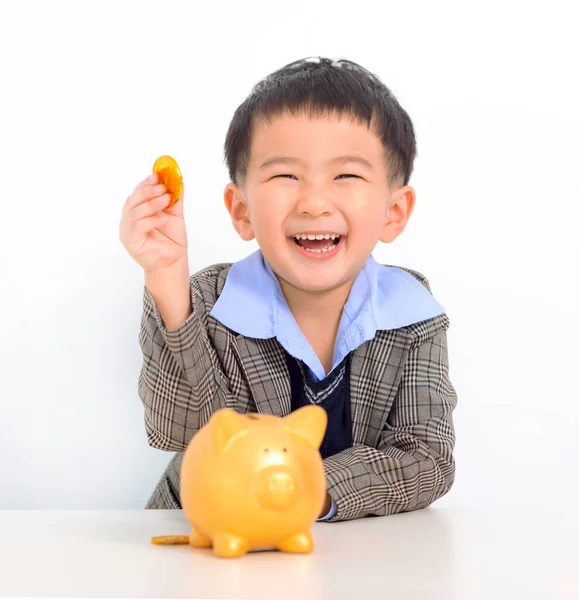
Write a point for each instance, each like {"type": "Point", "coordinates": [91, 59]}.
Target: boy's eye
{"type": "Point", "coordinates": [343, 175]}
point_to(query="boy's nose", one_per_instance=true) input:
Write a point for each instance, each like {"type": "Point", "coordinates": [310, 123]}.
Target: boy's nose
{"type": "Point", "coordinates": [315, 204]}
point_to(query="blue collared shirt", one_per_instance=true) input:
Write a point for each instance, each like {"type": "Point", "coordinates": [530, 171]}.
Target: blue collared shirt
{"type": "Point", "coordinates": [381, 298]}
{"type": "Point", "coordinates": [252, 304]}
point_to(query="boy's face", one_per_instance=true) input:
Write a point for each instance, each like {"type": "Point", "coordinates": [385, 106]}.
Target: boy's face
{"type": "Point", "coordinates": [314, 193]}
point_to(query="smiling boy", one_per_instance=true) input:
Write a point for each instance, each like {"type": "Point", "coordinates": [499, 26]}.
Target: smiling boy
{"type": "Point", "coordinates": [319, 155]}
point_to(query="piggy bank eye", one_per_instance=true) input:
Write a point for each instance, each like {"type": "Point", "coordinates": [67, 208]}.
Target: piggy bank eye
{"type": "Point", "coordinates": [285, 449]}
{"type": "Point", "coordinates": [266, 449]}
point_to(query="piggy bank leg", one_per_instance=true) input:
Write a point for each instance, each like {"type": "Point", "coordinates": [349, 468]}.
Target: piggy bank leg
{"type": "Point", "coordinates": [198, 540]}
{"type": "Point", "coordinates": [228, 545]}
{"type": "Point", "coordinates": [300, 542]}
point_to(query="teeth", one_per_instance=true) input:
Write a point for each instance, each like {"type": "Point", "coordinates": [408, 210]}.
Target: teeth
{"type": "Point", "coordinates": [322, 250]}
{"type": "Point", "coordinates": [319, 236]}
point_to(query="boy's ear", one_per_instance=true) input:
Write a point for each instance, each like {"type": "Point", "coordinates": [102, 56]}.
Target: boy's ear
{"type": "Point", "coordinates": [236, 204]}
{"type": "Point", "coordinates": [399, 211]}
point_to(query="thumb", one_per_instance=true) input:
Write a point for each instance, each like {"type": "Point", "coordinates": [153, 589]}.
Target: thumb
{"type": "Point", "coordinates": [177, 208]}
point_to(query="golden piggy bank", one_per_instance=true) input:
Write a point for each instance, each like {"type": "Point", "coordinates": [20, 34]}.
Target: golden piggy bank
{"type": "Point", "coordinates": [255, 481]}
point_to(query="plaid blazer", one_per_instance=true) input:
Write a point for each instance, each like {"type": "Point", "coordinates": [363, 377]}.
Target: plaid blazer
{"type": "Point", "coordinates": [400, 392]}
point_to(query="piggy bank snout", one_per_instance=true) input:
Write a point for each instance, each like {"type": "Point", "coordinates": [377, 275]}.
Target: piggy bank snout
{"type": "Point", "coordinates": [277, 488]}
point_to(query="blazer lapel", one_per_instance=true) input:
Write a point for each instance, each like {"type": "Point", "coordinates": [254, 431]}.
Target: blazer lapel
{"type": "Point", "coordinates": [264, 364]}
{"type": "Point", "coordinates": [375, 371]}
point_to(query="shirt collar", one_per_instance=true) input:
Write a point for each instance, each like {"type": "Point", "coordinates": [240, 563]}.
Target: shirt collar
{"type": "Point", "coordinates": [381, 298]}
{"type": "Point", "coordinates": [248, 302]}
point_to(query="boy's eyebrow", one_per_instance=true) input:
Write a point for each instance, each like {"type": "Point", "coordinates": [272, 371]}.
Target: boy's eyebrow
{"type": "Point", "coordinates": [290, 160]}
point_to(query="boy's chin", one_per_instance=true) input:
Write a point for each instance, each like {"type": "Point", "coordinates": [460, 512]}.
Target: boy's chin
{"type": "Point", "coordinates": [315, 284]}
{"type": "Point", "coordinates": [312, 276]}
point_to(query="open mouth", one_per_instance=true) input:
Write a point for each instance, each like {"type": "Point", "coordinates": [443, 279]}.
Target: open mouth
{"type": "Point", "coordinates": [319, 244]}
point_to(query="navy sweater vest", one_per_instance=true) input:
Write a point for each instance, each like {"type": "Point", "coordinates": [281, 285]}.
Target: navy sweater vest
{"type": "Point", "coordinates": [332, 394]}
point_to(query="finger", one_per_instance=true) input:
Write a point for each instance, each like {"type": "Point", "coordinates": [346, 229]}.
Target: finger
{"type": "Point", "coordinates": [144, 194]}
{"type": "Point", "coordinates": [147, 224]}
{"type": "Point", "coordinates": [150, 180]}
{"type": "Point", "coordinates": [177, 209]}
{"type": "Point", "coordinates": [146, 209]}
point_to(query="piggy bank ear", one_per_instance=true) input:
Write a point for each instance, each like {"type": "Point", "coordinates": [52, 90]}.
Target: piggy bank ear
{"type": "Point", "coordinates": [226, 426]}
{"type": "Point", "coordinates": [309, 423]}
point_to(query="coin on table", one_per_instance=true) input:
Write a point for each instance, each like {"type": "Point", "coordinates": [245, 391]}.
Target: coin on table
{"type": "Point", "coordinates": [170, 540]}
{"type": "Point", "coordinates": [170, 175]}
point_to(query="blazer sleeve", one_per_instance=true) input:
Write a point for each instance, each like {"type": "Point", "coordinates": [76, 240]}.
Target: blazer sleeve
{"type": "Point", "coordinates": [181, 382]}
{"type": "Point", "coordinates": [412, 465]}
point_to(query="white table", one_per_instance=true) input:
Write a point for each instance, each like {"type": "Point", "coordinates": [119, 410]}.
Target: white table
{"type": "Point", "coordinates": [429, 554]}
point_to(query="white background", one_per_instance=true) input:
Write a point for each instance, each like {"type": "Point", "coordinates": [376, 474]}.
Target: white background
{"type": "Point", "coordinates": [93, 92]}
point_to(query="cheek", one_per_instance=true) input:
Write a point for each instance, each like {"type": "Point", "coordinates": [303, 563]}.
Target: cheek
{"type": "Point", "coordinates": [367, 214]}
{"type": "Point", "coordinates": [268, 214]}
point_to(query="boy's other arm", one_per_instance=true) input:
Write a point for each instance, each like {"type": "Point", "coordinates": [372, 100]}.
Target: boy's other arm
{"type": "Point", "coordinates": [413, 464]}
{"type": "Point", "coordinates": [181, 382]}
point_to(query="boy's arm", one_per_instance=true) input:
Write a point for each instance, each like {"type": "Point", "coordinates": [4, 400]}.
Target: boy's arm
{"type": "Point", "coordinates": [181, 382]}
{"type": "Point", "coordinates": [413, 464]}
{"type": "Point", "coordinates": [170, 289]}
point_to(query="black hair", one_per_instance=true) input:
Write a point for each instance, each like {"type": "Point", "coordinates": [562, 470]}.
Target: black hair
{"type": "Point", "coordinates": [322, 86]}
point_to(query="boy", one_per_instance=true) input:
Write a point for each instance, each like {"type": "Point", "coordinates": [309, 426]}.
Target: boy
{"type": "Point", "coordinates": [319, 156]}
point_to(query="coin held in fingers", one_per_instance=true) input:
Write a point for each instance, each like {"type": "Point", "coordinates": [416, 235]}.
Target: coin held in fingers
{"type": "Point", "coordinates": [170, 176]}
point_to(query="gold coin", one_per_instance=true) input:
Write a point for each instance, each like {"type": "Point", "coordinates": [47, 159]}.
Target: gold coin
{"type": "Point", "coordinates": [170, 175]}
{"type": "Point", "coordinates": [170, 540]}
